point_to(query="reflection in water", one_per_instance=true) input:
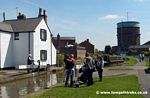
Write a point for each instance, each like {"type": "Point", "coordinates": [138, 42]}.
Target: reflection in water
{"type": "Point", "coordinates": [20, 88]}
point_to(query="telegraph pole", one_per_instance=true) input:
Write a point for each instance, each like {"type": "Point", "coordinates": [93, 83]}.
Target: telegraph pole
{"type": "Point", "coordinates": [16, 11]}
{"type": "Point", "coordinates": [127, 16]}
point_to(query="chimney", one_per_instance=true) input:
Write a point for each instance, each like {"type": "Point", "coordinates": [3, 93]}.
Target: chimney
{"type": "Point", "coordinates": [40, 12]}
{"type": "Point", "coordinates": [21, 16]}
{"type": "Point", "coordinates": [44, 15]}
{"type": "Point", "coordinates": [58, 42]}
{"type": "Point", "coordinates": [3, 16]}
{"type": "Point", "coordinates": [58, 37]}
{"type": "Point", "coordinates": [87, 40]}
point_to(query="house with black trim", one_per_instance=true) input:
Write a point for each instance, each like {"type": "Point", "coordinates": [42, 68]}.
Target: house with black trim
{"type": "Point", "coordinates": [23, 36]}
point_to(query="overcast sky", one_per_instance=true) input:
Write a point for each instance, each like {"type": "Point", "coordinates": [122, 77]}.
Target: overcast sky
{"type": "Point", "coordinates": [93, 19]}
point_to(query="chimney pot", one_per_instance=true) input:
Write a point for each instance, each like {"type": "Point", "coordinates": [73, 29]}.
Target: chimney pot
{"type": "Point", "coordinates": [87, 40]}
{"type": "Point", "coordinates": [21, 16]}
{"type": "Point", "coordinates": [44, 15]}
{"type": "Point", "coordinates": [44, 12]}
{"type": "Point", "coordinates": [40, 12]}
{"type": "Point", "coordinates": [58, 36]}
{"type": "Point", "coordinates": [3, 16]}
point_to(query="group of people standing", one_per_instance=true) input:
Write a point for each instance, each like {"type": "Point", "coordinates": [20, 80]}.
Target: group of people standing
{"type": "Point", "coordinates": [90, 65]}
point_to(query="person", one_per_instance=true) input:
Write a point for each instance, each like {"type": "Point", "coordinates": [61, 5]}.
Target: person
{"type": "Point", "coordinates": [99, 63]}
{"type": "Point", "coordinates": [72, 65]}
{"type": "Point", "coordinates": [68, 68]}
{"type": "Point", "coordinates": [72, 59]}
{"type": "Point", "coordinates": [89, 73]}
{"type": "Point", "coordinates": [29, 60]}
{"type": "Point", "coordinates": [140, 57]}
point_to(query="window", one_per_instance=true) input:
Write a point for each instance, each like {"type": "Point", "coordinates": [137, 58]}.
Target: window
{"type": "Point", "coordinates": [43, 34]}
{"type": "Point", "coordinates": [43, 55]}
{"type": "Point", "coordinates": [16, 36]}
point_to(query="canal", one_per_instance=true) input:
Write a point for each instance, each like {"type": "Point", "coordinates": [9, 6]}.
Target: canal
{"type": "Point", "coordinates": [21, 88]}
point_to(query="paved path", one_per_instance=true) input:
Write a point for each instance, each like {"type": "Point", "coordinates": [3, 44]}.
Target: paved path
{"type": "Point", "coordinates": [144, 78]}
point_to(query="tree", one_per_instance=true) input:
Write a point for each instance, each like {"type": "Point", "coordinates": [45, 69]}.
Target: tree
{"type": "Point", "coordinates": [107, 49]}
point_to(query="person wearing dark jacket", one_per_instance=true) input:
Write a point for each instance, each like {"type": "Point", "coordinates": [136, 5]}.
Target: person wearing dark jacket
{"type": "Point", "coordinates": [29, 60]}
{"type": "Point", "coordinates": [69, 70]}
{"type": "Point", "coordinates": [99, 63]}
{"type": "Point", "coordinates": [89, 71]}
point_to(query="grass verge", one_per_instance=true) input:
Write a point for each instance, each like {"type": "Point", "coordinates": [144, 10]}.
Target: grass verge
{"type": "Point", "coordinates": [131, 61]}
{"type": "Point", "coordinates": [119, 83]}
{"type": "Point", "coordinates": [147, 63]}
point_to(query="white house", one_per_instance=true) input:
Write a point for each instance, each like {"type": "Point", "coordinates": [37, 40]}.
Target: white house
{"type": "Point", "coordinates": [24, 36]}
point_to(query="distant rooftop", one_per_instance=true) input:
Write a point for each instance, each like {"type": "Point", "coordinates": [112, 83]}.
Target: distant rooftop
{"type": "Point", "coordinates": [147, 43]}
{"type": "Point", "coordinates": [140, 46]}
{"type": "Point", "coordinates": [65, 38]}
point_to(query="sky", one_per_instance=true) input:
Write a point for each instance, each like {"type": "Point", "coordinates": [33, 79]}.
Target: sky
{"type": "Point", "coordinates": [93, 19]}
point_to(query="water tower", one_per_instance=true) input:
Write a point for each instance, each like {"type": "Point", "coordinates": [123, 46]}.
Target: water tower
{"type": "Point", "coordinates": [128, 33]}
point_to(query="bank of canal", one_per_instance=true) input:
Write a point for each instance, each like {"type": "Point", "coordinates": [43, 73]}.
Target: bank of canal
{"type": "Point", "coordinates": [23, 84]}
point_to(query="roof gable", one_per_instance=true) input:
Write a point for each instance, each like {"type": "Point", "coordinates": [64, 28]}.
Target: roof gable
{"type": "Point", "coordinates": [24, 25]}
{"type": "Point", "coordinates": [86, 42]}
{"type": "Point", "coordinates": [65, 38]}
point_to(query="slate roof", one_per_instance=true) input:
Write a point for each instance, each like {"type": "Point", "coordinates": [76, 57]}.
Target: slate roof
{"type": "Point", "coordinates": [24, 25]}
{"type": "Point", "coordinates": [5, 27]}
{"type": "Point", "coordinates": [147, 43]}
{"type": "Point", "coordinates": [139, 46]}
{"type": "Point", "coordinates": [84, 42]}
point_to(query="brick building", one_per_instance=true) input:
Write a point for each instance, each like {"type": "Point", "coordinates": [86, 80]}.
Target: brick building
{"type": "Point", "coordinates": [64, 44]}
{"type": "Point", "coordinates": [136, 49]}
{"type": "Point", "coordinates": [67, 45]}
{"type": "Point", "coordinates": [89, 47]}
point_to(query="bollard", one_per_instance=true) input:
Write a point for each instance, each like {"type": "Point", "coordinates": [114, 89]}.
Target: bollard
{"type": "Point", "coordinates": [38, 66]}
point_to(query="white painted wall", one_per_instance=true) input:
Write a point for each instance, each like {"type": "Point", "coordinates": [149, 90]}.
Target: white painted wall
{"type": "Point", "coordinates": [6, 48]}
{"type": "Point", "coordinates": [20, 49]}
{"type": "Point", "coordinates": [54, 53]}
{"type": "Point", "coordinates": [43, 45]}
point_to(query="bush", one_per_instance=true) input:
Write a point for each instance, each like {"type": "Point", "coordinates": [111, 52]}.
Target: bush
{"type": "Point", "coordinates": [60, 60]}
{"type": "Point", "coordinates": [146, 53]}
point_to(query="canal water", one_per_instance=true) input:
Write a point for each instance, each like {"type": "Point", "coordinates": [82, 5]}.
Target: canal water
{"type": "Point", "coordinates": [21, 88]}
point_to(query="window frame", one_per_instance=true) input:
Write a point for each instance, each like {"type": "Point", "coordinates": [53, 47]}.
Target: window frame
{"type": "Point", "coordinates": [16, 36]}
{"type": "Point", "coordinates": [45, 55]}
{"type": "Point", "coordinates": [43, 34]}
